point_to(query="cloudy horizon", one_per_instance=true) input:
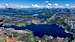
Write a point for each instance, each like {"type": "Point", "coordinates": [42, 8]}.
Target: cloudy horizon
{"type": "Point", "coordinates": [37, 4]}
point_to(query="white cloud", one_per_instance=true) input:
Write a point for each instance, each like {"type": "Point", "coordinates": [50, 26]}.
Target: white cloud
{"type": "Point", "coordinates": [6, 4]}
{"type": "Point", "coordinates": [73, 6]}
{"type": "Point", "coordinates": [56, 4]}
{"type": "Point", "coordinates": [47, 1]}
{"type": "Point", "coordinates": [35, 5]}
{"type": "Point", "coordinates": [61, 6]}
{"type": "Point", "coordinates": [67, 4]}
{"type": "Point", "coordinates": [49, 4]}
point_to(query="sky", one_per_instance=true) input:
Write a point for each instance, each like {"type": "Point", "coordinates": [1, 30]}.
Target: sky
{"type": "Point", "coordinates": [37, 3]}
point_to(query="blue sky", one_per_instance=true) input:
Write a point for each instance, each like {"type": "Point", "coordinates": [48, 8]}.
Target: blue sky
{"type": "Point", "coordinates": [37, 2]}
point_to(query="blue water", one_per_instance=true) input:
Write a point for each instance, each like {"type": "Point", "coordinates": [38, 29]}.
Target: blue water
{"type": "Point", "coordinates": [42, 29]}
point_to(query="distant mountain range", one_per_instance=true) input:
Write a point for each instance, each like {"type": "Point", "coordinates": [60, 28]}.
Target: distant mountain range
{"type": "Point", "coordinates": [32, 11]}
